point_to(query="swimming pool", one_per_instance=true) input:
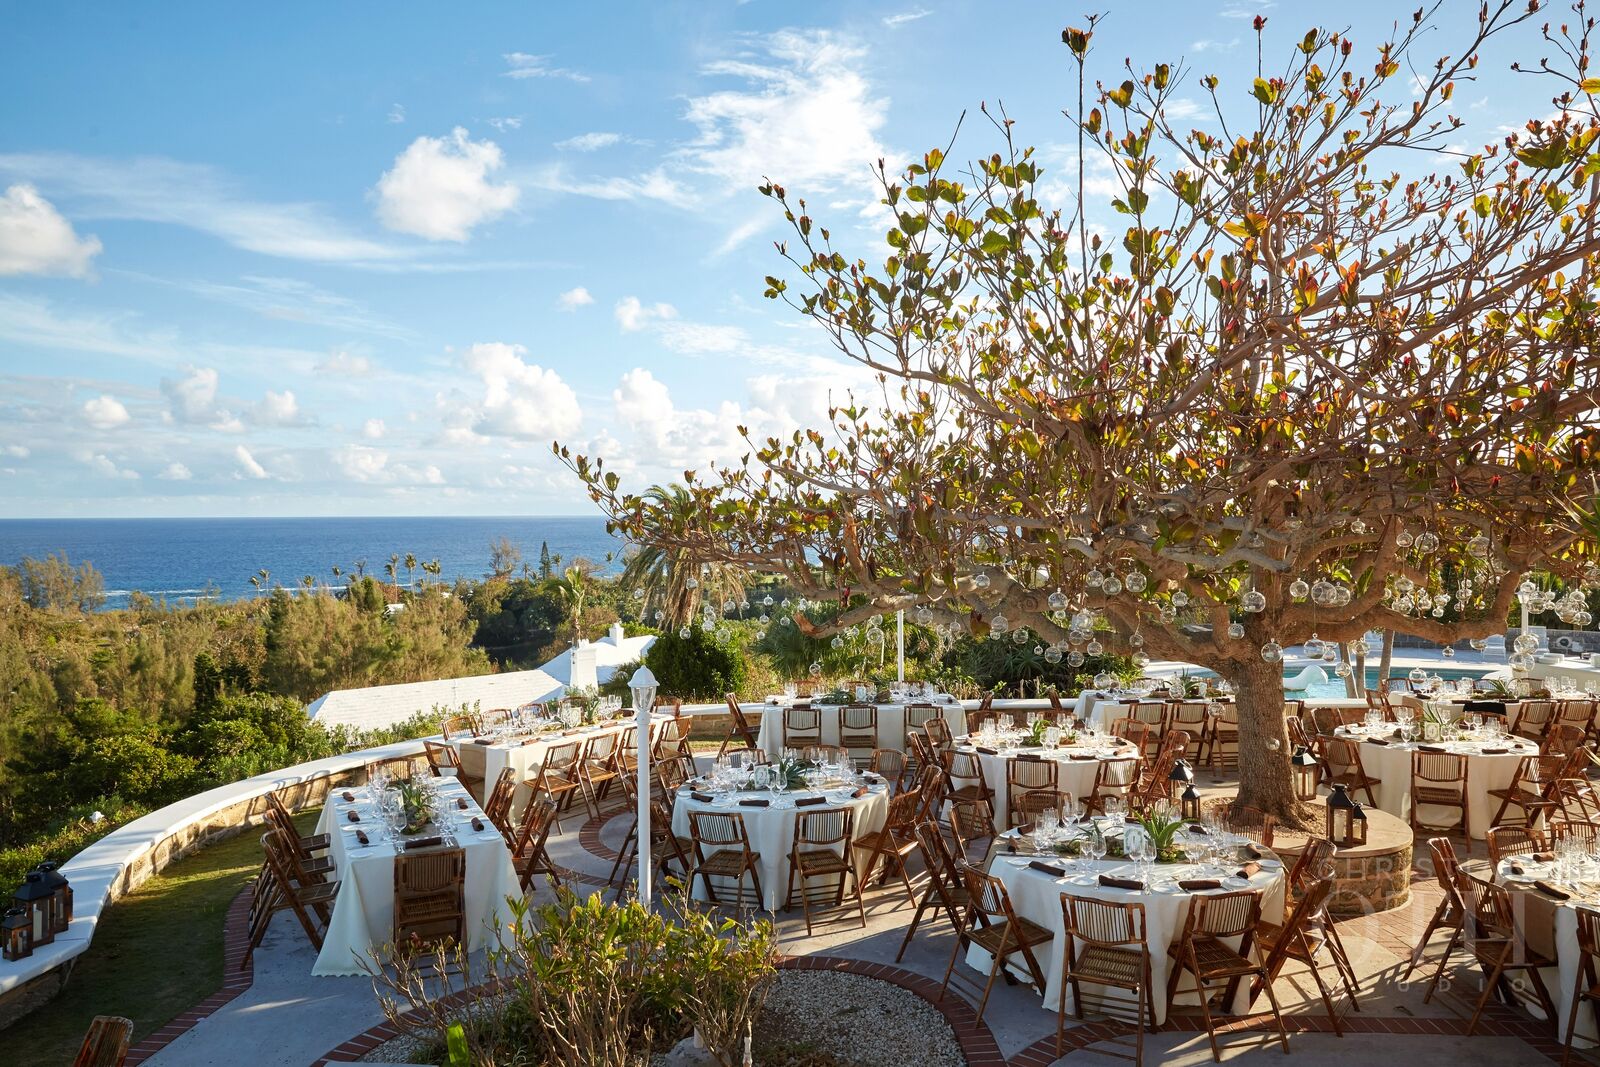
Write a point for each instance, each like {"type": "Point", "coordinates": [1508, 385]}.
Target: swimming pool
{"type": "Point", "coordinates": [1333, 688]}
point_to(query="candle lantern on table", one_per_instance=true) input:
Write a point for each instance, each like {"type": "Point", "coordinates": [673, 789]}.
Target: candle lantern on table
{"type": "Point", "coordinates": [1189, 797]}
{"type": "Point", "coordinates": [61, 913]}
{"type": "Point", "coordinates": [1346, 821]}
{"type": "Point", "coordinates": [1307, 774]}
{"type": "Point", "coordinates": [37, 898]}
{"type": "Point", "coordinates": [17, 933]}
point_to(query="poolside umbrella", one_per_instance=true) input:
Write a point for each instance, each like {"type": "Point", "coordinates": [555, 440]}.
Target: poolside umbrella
{"type": "Point", "coordinates": [643, 685]}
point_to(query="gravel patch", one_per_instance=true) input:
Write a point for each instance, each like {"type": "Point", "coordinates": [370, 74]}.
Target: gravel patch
{"type": "Point", "coordinates": [402, 1049]}
{"type": "Point", "coordinates": [855, 1021]}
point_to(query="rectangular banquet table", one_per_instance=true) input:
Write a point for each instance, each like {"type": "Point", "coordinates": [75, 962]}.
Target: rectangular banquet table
{"type": "Point", "coordinates": [1078, 766]}
{"type": "Point", "coordinates": [1391, 763]}
{"type": "Point", "coordinates": [363, 913]}
{"type": "Point", "coordinates": [1036, 896]}
{"type": "Point", "coordinates": [526, 755]}
{"type": "Point", "coordinates": [891, 724]}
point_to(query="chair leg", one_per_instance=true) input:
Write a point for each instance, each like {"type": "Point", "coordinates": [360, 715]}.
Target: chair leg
{"type": "Point", "coordinates": [1444, 961]}
{"type": "Point", "coordinates": [1491, 984]}
{"type": "Point", "coordinates": [1428, 931]}
{"type": "Point", "coordinates": [1341, 960]}
{"type": "Point", "coordinates": [1277, 1015]}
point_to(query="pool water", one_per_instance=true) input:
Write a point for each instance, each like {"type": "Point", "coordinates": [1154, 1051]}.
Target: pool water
{"type": "Point", "coordinates": [1333, 688]}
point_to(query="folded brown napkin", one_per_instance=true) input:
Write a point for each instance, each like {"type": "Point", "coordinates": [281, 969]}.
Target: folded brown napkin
{"type": "Point", "coordinates": [1551, 891]}
{"type": "Point", "coordinates": [1196, 828]}
{"type": "Point", "coordinates": [1429, 748]}
{"type": "Point", "coordinates": [424, 842]}
{"type": "Point", "coordinates": [461, 802]}
{"type": "Point", "coordinates": [860, 791]}
{"type": "Point", "coordinates": [758, 802]}
{"type": "Point", "coordinates": [1376, 741]}
{"type": "Point", "coordinates": [1543, 857]}
{"type": "Point", "coordinates": [353, 816]}
{"type": "Point", "coordinates": [1493, 751]}
{"type": "Point", "coordinates": [1247, 871]}
{"type": "Point", "coordinates": [803, 802]}
{"type": "Point", "coordinates": [988, 751]}
{"type": "Point", "coordinates": [477, 824]}
{"type": "Point", "coordinates": [1047, 868]}
{"type": "Point", "coordinates": [1074, 756]}
{"type": "Point", "coordinates": [1194, 885]}
{"type": "Point", "coordinates": [527, 741]}
{"type": "Point", "coordinates": [704, 798]}
{"type": "Point", "coordinates": [1120, 883]}
{"type": "Point", "coordinates": [1253, 852]}
{"type": "Point", "coordinates": [348, 796]}
{"type": "Point", "coordinates": [361, 835]}
{"type": "Point", "coordinates": [1030, 756]}
{"type": "Point", "coordinates": [1516, 868]}
{"type": "Point", "coordinates": [482, 741]}
{"type": "Point", "coordinates": [1011, 846]}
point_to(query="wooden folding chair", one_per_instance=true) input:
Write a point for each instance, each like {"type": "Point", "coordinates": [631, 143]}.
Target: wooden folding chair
{"type": "Point", "coordinates": [722, 850]}
{"type": "Point", "coordinates": [1505, 842]}
{"type": "Point", "coordinates": [993, 925]}
{"type": "Point", "coordinates": [429, 898]}
{"type": "Point", "coordinates": [472, 759]}
{"type": "Point", "coordinates": [1586, 982]}
{"type": "Point", "coordinates": [1298, 940]}
{"type": "Point", "coordinates": [1222, 747]}
{"type": "Point", "coordinates": [1342, 758]}
{"type": "Point", "coordinates": [498, 807]}
{"type": "Point", "coordinates": [442, 759]}
{"type": "Point", "coordinates": [1439, 781]}
{"type": "Point", "coordinates": [461, 726]}
{"type": "Point", "coordinates": [892, 844]}
{"type": "Point", "coordinates": [1530, 791]}
{"type": "Point", "coordinates": [740, 735]}
{"type": "Point", "coordinates": [802, 726]}
{"type": "Point", "coordinates": [822, 849]}
{"type": "Point", "coordinates": [597, 770]}
{"type": "Point", "coordinates": [1113, 778]}
{"type": "Point", "coordinates": [1447, 913]}
{"type": "Point", "coordinates": [946, 891]}
{"type": "Point", "coordinates": [308, 902]}
{"type": "Point", "coordinates": [858, 731]}
{"type": "Point", "coordinates": [889, 764]}
{"type": "Point", "coordinates": [1189, 716]}
{"type": "Point", "coordinates": [558, 777]}
{"type": "Point", "coordinates": [1031, 787]}
{"type": "Point", "coordinates": [1105, 943]}
{"type": "Point", "coordinates": [937, 732]}
{"type": "Point", "coordinates": [1202, 950]}
{"type": "Point", "coordinates": [1533, 718]}
{"type": "Point", "coordinates": [967, 784]}
{"type": "Point", "coordinates": [106, 1042]}
{"type": "Point", "coordinates": [1497, 944]}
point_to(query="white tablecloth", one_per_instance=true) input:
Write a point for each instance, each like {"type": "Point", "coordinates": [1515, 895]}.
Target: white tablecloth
{"type": "Point", "coordinates": [1036, 896]}
{"type": "Point", "coordinates": [363, 913]}
{"type": "Point", "coordinates": [891, 725]}
{"type": "Point", "coordinates": [527, 756]}
{"type": "Point", "coordinates": [1551, 927]}
{"type": "Point", "coordinates": [1075, 776]}
{"type": "Point", "coordinates": [771, 833]}
{"type": "Point", "coordinates": [1392, 764]}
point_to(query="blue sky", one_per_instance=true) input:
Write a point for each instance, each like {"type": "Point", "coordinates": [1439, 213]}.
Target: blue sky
{"type": "Point", "coordinates": [365, 259]}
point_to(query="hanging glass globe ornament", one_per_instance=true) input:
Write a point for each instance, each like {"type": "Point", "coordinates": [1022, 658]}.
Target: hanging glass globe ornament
{"type": "Point", "coordinates": [1427, 541]}
{"type": "Point", "coordinates": [1520, 661]}
{"type": "Point", "coordinates": [638, 594]}
{"type": "Point", "coordinates": [1094, 648]}
{"type": "Point", "coordinates": [925, 616]}
{"type": "Point", "coordinates": [816, 670]}
{"type": "Point", "coordinates": [1313, 647]}
{"type": "Point", "coordinates": [1094, 579]}
{"type": "Point", "coordinates": [1019, 636]}
{"type": "Point", "coordinates": [1075, 658]}
{"type": "Point", "coordinates": [1478, 644]}
{"type": "Point", "coordinates": [1134, 582]}
{"type": "Point", "coordinates": [999, 624]}
{"type": "Point", "coordinates": [1057, 601]}
{"type": "Point", "coordinates": [1330, 653]}
{"type": "Point", "coordinates": [1403, 539]}
{"type": "Point", "coordinates": [1438, 611]}
{"type": "Point", "coordinates": [1299, 589]}
{"type": "Point", "coordinates": [1448, 652]}
{"type": "Point", "coordinates": [1403, 585]}
{"type": "Point", "coordinates": [1112, 586]}
{"type": "Point", "coordinates": [1103, 680]}
{"type": "Point", "coordinates": [766, 601]}
{"type": "Point", "coordinates": [1324, 592]}
{"type": "Point", "coordinates": [727, 607]}
{"type": "Point", "coordinates": [1272, 652]}
{"type": "Point", "coordinates": [1343, 596]}
{"type": "Point", "coordinates": [1253, 601]}
{"type": "Point", "coordinates": [1141, 660]}
{"type": "Point", "coordinates": [763, 618]}
{"type": "Point", "coordinates": [1038, 650]}
{"type": "Point", "coordinates": [1525, 642]}
{"type": "Point", "coordinates": [684, 633]}
{"type": "Point", "coordinates": [660, 615]}
{"type": "Point", "coordinates": [784, 620]}
{"type": "Point", "coordinates": [691, 583]}
{"type": "Point", "coordinates": [760, 634]}
{"type": "Point", "coordinates": [1052, 654]}
{"type": "Point", "coordinates": [1236, 630]}
{"type": "Point", "coordinates": [708, 625]}
{"type": "Point", "coordinates": [1136, 640]}
{"type": "Point", "coordinates": [1478, 547]}
{"type": "Point", "coordinates": [1342, 670]}
{"type": "Point", "coordinates": [1404, 605]}
{"type": "Point", "coordinates": [981, 580]}
{"type": "Point", "coordinates": [1167, 614]}
{"type": "Point", "coordinates": [1083, 620]}
{"type": "Point", "coordinates": [1180, 599]}
{"type": "Point", "coordinates": [1058, 616]}
{"type": "Point", "coordinates": [837, 642]}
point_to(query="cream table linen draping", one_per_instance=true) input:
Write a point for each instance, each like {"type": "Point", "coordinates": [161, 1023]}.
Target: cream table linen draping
{"type": "Point", "coordinates": [1391, 764]}
{"type": "Point", "coordinates": [891, 724]}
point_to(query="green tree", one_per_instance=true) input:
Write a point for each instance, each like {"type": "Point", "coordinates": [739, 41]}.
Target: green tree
{"type": "Point", "coordinates": [696, 666]}
{"type": "Point", "coordinates": [54, 584]}
{"type": "Point", "coordinates": [504, 558]}
{"type": "Point", "coordinates": [672, 580]}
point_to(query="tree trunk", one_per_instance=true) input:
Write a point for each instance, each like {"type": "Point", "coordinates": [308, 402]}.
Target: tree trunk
{"type": "Point", "coordinates": [1351, 681]}
{"type": "Point", "coordinates": [1265, 781]}
{"type": "Point", "coordinates": [1385, 661]}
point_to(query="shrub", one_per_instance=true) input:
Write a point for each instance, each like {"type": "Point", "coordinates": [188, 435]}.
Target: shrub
{"type": "Point", "coordinates": [586, 983]}
{"type": "Point", "coordinates": [135, 766]}
{"type": "Point", "coordinates": [695, 667]}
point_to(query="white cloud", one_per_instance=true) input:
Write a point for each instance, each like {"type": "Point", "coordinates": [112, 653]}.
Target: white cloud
{"type": "Point", "coordinates": [278, 409]}
{"type": "Point", "coordinates": [633, 316]}
{"type": "Point", "coordinates": [894, 22]}
{"type": "Point", "coordinates": [520, 399]}
{"type": "Point", "coordinates": [106, 466]}
{"type": "Point", "coordinates": [689, 338]}
{"type": "Point", "coordinates": [1246, 9]}
{"type": "Point", "coordinates": [655, 184]}
{"type": "Point", "coordinates": [345, 364]}
{"type": "Point", "coordinates": [248, 465]}
{"type": "Point", "coordinates": [590, 142]}
{"type": "Point", "coordinates": [154, 189]}
{"type": "Point", "coordinates": [35, 239]}
{"type": "Point", "coordinates": [506, 122]}
{"type": "Point", "coordinates": [523, 65]}
{"type": "Point", "coordinates": [175, 472]}
{"type": "Point", "coordinates": [16, 451]}
{"type": "Point", "coordinates": [397, 114]}
{"type": "Point", "coordinates": [808, 117]}
{"type": "Point", "coordinates": [1208, 45]}
{"type": "Point", "coordinates": [360, 463]}
{"type": "Point", "coordinates": [105, 412]}
{"type": "Point", "coordinates": [439, 187]}
{"type": "Point", "coordinates": [573, 299]}
{"type": "Point", "coordinates": [373, 429]}
{"type": "Point", "coordinates": [193, 398]}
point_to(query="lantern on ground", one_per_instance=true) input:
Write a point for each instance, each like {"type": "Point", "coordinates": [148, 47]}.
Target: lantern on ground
{"type": "Point", "coordinates": [38, 899]}
{"type": "Point", "coordinates": [61, 915]}
{"type": "Point", "coordinates": [1307, 774]}
{"type": "Point", "coordinates": [17, 932]}
{"type": "Point", "coordinates": [1346, 822]}
{"type": "Point", "coordinates": [1189, 798]}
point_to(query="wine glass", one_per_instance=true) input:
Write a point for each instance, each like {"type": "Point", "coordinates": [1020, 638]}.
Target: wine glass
{"type": "Point", "coordinates": [1095, 849]}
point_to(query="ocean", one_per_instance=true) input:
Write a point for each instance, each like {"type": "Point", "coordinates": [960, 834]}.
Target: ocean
{"type": "Point", "coordinates": [181, 559]}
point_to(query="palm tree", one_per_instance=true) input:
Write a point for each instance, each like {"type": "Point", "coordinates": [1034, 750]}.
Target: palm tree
{"type": "Point", "coordinates": [671, 580]}
{"type": "Point", "coordinates": [573, 589]}
{"type": "Point", "coordinates": [411, 568]}
{"type": "Point", "coordinates": [432, 567]}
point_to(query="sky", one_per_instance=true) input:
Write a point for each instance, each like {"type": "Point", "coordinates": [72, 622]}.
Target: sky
{"type": "Point", "coordinates": [368, 259]}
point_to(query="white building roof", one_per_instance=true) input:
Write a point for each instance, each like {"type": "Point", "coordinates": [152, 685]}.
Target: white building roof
{"type": "Point", "coordinates": [377, 706]}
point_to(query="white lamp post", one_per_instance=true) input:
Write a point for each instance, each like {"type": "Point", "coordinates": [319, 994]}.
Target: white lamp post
{"type": "Point", "coordinates": [643, 685]}
{"type": "Point", "coordinates": [900, 642]}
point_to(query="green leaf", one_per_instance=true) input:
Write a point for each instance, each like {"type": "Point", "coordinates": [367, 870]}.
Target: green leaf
{"type": "Point", "coordinates": [994, 243]}
{"type": "Point", "coordinates": [1122, 96]}
{"type": "Point", "coordinates": [1590, 85]}
{"type": "Point", "coordinates": [1264, 91]}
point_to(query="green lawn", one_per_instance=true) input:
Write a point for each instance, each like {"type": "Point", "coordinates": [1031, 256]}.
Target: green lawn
{"type": "Point", "coordinates": [157, 953]}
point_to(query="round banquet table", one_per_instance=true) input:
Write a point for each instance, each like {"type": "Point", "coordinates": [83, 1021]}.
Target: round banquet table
{"type": "Point", "coordinates": [1551, 927]}
{"type": "Point", "coordinates": [1079, 765]}
{"type": "Point", "coordinates": [771, 829]}
{"type": "Point", "coordinates": [1036, 895]}
{"type": "Point", "coordinates": [1490, 765]}
{"type": "Point", "coordinates": [891, 723]}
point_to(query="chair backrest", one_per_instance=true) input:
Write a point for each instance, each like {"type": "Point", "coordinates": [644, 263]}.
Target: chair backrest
{"type": "Point", "coordinates": [987, 896]}
{"type": "Point", "coordinates": [965, 766]}
{"type": "Point", "coordinates": [1533, 718]}
{"type": "Point", "coordinates": [741, 724]}
{"type": "Point", "coordinates": [473, 759]}
{"type": "Point", "coordinates": [1103, 923]}
{"type": "Point", "coordinates": [859, 718]}
{"type": "Point", "coordinates": [1227, 717]}
{"type": "Point", "coordinates": [903, 811]}
{"type": "Point", "coordinates": [1298, 737]}
{"type": "Point", "coordinates": [1176, 742]}
{"type": "Point", "coordinates": [1226, 915]}
{"type": "Point", "coordinates": [457, 725]}
{"type": "Point", "coordinates": [1446, 867]}
{"type": "Point", "coordinates": [1439, 769]}
{"type": "Point", "coordinates": [1486, 908]}
{"type": "Point", "coordinates": [537, 818]}
{"type": "Point", "coordinates": [1152, 713]}
{"type": "Point", "coordinates": [976, 719]}
{"type": "Point", "coordinates": [942, 866]}
{"type": "Point", "coordinates": [1566, 830]}
{"type": "Point", "coordinates": [823, 828]}
{"type": "Point", "coordinates": [1562, 739]}
{"type": "Point", "coordinates": [498, 806]}
{"type": "Point", "coordinates": [890, 763]}
{"type": "Point", "coordinates": [1306, 909]}
{"type": "Point", "coordinates": [560, 758]}
{"type": "Point", "coordinates": [1132, 731]}
{"type": "Point", "coordinates": [106, 1042]}
{"type": "Point", "coordinates": [440, 756]}
{"type": "Point", "coordinates": [1504, 841]}
{"type": "Point", "coordinates": [601, 747]}
{"type": "Point", "coordinates": [1343, 756]}
{"type": "Point", "coordinates": [717, 828]}
{"type": "Point", "coordinates": [802, 719]}
{"type": "Point", "coordinates": [937, 731]}
{"type": "Point", "coordinates": [1187, 715]}
{"type": "Point", "coordinates": [1588, 941]}
{"type": "Point", "coordinates": [1315, 861]}
{"type": "Point", "coordinates": [1115, 775]}
{"type": "Point", "coordinates": [1030, 774]}
{"type": "Point", "coordinates": [1577, 713]}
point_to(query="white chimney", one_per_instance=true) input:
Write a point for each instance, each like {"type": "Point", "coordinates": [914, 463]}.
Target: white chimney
{"type": "Point", "coordinates": [615, 633]}
{"type": "Point", "coordinates": [583, 663]}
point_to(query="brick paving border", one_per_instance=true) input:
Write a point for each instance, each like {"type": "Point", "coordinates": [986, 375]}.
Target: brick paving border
{"type": "Point", "coordinates": [235, 980]}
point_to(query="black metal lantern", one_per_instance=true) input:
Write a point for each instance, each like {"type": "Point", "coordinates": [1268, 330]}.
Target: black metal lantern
{"type": "Point", "coordinates": [1189, 798]}
{"type": "Point", "coordinates": [61, 915]}
{"type": "Point", "coordinates": [1307, 774]}
{"type": "Point", "coordinates": [1344, 827]}
{"type": "Point", "coordinates": [38, 900]}
{"type": "Point", "coordinates": [17, 931]}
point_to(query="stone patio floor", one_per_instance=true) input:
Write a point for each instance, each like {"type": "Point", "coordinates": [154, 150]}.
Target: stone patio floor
{"type": "Point", "coordinates": [278, 1014]}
